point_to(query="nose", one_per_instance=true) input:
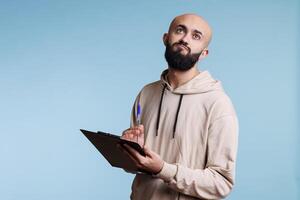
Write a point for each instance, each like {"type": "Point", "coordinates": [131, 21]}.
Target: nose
{"type": "Point", "coordinates": [185, 39]}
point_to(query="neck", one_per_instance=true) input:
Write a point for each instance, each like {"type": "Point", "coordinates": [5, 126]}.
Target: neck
{"type": "Point", "coordinates": [177, 78]}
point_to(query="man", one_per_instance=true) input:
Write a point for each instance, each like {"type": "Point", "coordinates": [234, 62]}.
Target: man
{"type": "Point", "coordinates": [189, 126]}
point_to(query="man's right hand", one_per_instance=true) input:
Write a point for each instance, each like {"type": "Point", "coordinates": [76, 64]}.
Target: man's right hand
{"type": "Point", "coordinates": [135, 134]}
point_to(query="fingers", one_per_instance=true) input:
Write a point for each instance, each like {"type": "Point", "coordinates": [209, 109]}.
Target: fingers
{"type": "Point", "coordinates": [130, 135]}
{"type": "Point", "coordinates": [137, 129]}
{"type": "Point", "coordinates": [136, 155]}
{"type": "Point", "coordinates": [130, 156]}
{"type": "Point", "coordinates": [141, 128]}
{"type": "Point", "coordinates": [133, 132]}
{"type": "Point", "coordinates": [149, 164]}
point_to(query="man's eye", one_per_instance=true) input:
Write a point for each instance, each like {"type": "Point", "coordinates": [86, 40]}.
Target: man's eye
{"type": "Point", "coordinates": [197, 37]}
{"type": "Point", "coordinates": [179, 30]}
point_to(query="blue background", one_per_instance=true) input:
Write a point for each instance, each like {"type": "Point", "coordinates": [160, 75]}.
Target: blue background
{"type": "Point", "coordinates": [66, 65]}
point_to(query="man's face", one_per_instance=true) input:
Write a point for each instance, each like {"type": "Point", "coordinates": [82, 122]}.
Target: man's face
{"type": "Point", "coordinates": [186, 41]}
{"type": "Point", "coordinates": [179, 61]}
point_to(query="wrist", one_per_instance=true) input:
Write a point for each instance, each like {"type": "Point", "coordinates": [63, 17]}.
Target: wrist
{"type": "Point", "coordinates": [168, 172]}
{"type": "Point", "coordinates": [161, 165]}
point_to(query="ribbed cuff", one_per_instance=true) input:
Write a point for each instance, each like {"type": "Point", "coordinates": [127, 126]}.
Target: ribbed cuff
{"type": "Point", "coordinates": [167, 172]}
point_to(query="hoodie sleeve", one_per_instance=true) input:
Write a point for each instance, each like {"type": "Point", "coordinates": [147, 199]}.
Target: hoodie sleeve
{"type": "Point", "coordinates": [216, 180]}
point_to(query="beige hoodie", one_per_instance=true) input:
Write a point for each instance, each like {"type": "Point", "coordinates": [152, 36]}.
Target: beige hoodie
{"type": "Point", "coordinates": [194, 128]}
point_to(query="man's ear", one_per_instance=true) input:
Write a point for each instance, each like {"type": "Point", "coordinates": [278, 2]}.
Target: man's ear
{"type": "Point", "coordinates": [203, 54]}
{"type": "Point", "coordinates": [165, 38]}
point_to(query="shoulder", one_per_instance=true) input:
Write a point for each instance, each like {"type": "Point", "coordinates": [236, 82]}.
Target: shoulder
{"type": "Point", "coordinates": [151, 88]}
{"type": "Point", "coordinates": [152, 85]}
{"type": "Point", "coordinates": [149, 92]}
{"type": "Point", "coordinates": [222, 106]}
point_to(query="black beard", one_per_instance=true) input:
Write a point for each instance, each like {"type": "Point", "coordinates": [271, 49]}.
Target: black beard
{"type": "Point", "coordinates": [178, 61]}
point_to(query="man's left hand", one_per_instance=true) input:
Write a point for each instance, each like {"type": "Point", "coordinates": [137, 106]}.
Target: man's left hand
{"type": "Point", "coordinates": [151, 163]}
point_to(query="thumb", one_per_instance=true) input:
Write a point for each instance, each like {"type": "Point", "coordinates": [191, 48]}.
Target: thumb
{"type": "Point", "coordinates": [147, 151]}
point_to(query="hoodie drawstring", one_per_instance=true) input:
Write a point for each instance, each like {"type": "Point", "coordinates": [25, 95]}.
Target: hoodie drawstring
{"type": "Point", "coordinates": [178, 108]}
{"type": "Point", "coordinates": [159, 109]}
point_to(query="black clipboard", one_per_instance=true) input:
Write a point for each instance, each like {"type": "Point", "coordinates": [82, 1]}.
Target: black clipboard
{"type": "Point", "coordinates": [106, 144]}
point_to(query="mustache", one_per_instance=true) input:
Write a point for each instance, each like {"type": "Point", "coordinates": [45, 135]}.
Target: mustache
{"type": "Point", "coordinates": [182, 43]}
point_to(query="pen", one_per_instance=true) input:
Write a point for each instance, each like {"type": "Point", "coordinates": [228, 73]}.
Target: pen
{"type": "Point", "coordinates": [138, 118]}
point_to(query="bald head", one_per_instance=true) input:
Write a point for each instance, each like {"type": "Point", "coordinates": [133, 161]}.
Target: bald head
{"type": "Point", "coordinates": [196, 22]}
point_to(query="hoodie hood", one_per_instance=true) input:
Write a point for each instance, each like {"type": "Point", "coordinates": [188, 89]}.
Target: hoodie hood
{"type": "Point", "coordinates": [201, 83]}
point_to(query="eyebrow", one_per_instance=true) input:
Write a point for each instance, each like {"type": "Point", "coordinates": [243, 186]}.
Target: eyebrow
{"type": "Point", "coordinates": [183, 26]}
